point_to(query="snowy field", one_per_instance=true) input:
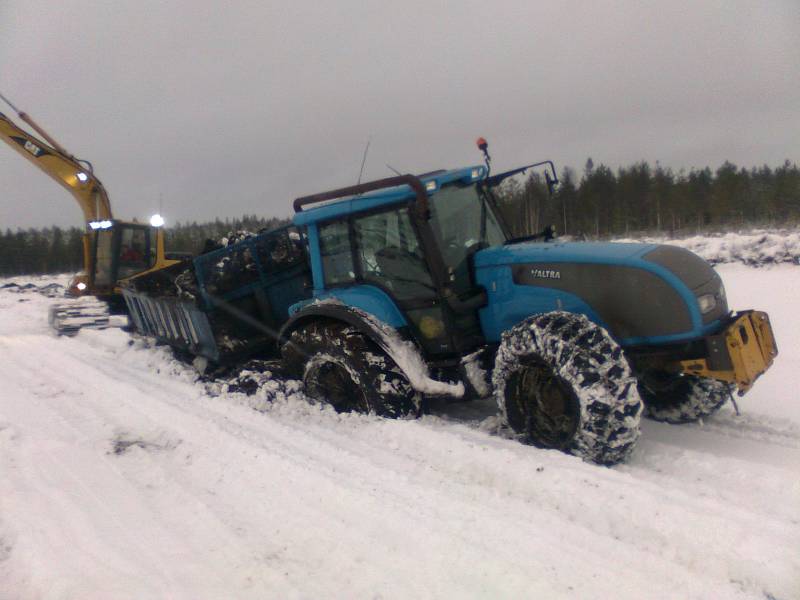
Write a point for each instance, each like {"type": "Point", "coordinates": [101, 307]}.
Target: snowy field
{"type": "Point", "coordinates": [756, 247]}
{"type": "Point", "coordinates": [121, 477]}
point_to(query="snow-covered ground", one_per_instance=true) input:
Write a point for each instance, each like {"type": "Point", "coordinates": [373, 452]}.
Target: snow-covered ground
{"type": "Point", "coordinates": [755, 247]}
{"type": "Point", "coordinates": [121, 477]}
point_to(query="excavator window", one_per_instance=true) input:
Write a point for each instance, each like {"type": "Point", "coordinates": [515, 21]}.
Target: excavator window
{"type": "Point", "coordinates": [134, 251]}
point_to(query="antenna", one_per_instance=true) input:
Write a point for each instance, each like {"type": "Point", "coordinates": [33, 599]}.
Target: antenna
{"type": "Point", "coordinates": [395, 171]}
{"type": "Point", "coordinates": [364, 160]}
{"type": "Point", "coordinates": [7, 101]}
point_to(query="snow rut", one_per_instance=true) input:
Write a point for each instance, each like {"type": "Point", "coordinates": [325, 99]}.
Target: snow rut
{"type": "Point", "coordinates": [121, 477]}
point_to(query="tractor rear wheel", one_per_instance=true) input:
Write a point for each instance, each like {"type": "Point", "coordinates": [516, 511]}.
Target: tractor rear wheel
{"type": "Point", "coordinates": [675, 398]}
{"type": "Point", "coordinates": [562, 382]}
{"type": "Point", "coordinates": [340, 366]}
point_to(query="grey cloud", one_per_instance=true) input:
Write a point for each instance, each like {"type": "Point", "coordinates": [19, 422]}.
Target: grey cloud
{"type": "Point", "coordinates": [224, 110]}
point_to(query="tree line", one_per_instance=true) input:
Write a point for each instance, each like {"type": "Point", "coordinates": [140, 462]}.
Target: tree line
{"type": "Point", "coordinates": [39, 251]}
{"type": "Point", "coordinates": [57, 250]}
{"type": "Point", "coordinates": [598, 203]}
{"type": "Point", "coordinates": [602, 203]}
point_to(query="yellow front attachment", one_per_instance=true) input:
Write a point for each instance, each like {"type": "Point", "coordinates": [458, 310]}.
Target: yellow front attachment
{"type": "Point", "coordinates": [751, 348]}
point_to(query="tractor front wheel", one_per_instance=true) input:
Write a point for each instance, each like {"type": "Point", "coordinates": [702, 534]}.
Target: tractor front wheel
{"type": "Point", "coordinates": [562, 382]}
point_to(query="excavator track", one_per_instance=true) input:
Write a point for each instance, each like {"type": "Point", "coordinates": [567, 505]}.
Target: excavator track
{"type": "Point", "coordinates": [69, 317]}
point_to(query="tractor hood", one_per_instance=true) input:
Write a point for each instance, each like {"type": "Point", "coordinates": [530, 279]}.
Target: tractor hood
{"type": "Point", "coordinates": [547, 251]}
{"type": "Point", "coordinates": [641, 293]}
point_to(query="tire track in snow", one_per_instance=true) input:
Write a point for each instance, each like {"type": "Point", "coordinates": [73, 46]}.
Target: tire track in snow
{"type": "Point", "coordinates": [316, 495]}
{"type": "Point", "coordinates": [387, 486]}
{"type": "Point", "coordinates": [85, 416]}
{"type": "Point", "coordinates": [683, 500]}
{"type": "Point", "coordinates": [74, 489]}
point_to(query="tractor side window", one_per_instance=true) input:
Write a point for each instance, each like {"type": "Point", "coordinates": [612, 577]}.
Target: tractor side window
{"type": "Point", "coordinates": [133, 252]}
{"type": "Point", "coordinates": [389, 255]}
{"type": "Point", "coordinates": [337, 255]}
{"type": "Point", "coordinates": [462, 223]}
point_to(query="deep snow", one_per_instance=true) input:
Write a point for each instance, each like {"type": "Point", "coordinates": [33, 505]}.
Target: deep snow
{"type": "Point", "coordinates": [122, 477]}
{"type": "Point", "coordinates": [756, 247]}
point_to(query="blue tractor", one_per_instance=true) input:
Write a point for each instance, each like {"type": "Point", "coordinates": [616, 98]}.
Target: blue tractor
{"type": "Point", "coordinates": [388, 293]}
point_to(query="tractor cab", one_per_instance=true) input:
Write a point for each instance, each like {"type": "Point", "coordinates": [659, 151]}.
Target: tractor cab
{"type": "Point", "coordinates": [412, 241]}
{"type": "Point", "coordinates": [408, 246]}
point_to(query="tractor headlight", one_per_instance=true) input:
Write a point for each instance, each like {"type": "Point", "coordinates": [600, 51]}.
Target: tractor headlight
{"type": "Point", "coordinates": [81, 286]}
{"type": "Point", "coordinates": [706, 302]}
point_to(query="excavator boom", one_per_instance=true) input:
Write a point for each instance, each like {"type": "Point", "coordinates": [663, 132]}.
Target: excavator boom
{"type": "Point", "coordinates": [113, 251]}
{"type": "Point", "coordinates": [62, 167]}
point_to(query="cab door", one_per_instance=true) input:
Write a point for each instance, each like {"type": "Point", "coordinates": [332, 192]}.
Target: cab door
{"type": "Point", "coordinates": [135, 250]}
{"type": "Point", "coordinates": [121, 251]}
{"type": "Point", "coordinates": [103, 275]}
{"type": "Point", "coordinates": [382, 249]}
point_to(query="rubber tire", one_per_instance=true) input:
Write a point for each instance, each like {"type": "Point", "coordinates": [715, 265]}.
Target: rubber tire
{"type": "Point", "coordinates": [378, 385]}
{"type": "Point", "coordinates": [679, 399]}
{"type": "Point", "coordinates": [583, 358]}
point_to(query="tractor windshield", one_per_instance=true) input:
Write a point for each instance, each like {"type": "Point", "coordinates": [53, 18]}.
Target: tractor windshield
{"type": "Point", "coordinates": [463, 222]}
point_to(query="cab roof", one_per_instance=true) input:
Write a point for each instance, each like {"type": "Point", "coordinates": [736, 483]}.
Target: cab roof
{"type": "Point", "coordinates": [394, 195]}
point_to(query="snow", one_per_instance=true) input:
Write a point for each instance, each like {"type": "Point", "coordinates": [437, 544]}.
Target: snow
{"type": "Point", "coordinates": [410, 361]}
{"type": "Point", "coordinates": [122, 476]}
{"type": "Point", "coordinates": [757, 247]}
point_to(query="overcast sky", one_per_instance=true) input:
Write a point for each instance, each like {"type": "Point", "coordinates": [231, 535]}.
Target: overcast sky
{"type": "Point", "coordinates": [222, 109]}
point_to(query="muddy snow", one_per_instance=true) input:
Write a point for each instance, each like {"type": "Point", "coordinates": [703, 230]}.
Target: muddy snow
{"type": "Point", "coordinates": [122, 477]}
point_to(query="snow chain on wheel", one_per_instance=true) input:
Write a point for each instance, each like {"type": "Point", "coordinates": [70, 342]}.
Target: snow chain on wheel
{"type": "Point", "coordinates": [562, 382]}
{"type": "Point", "coordinates": [675, 398]}
{"type": "Point", "coordinates": [341, 367]}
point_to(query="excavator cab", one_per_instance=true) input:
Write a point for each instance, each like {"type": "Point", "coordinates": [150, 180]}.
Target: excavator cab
{"type": "Point", "coordinates": [120, 251]}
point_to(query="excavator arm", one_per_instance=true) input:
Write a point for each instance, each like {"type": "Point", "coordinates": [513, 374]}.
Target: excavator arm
{"type": "Point", "coordinates": [105, 238]}
{"type": "Point", "coordinates": [64, 168]}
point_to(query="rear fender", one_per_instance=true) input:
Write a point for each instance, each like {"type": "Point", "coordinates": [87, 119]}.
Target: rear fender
{"type": "Point", "coordinates": [404, 353]}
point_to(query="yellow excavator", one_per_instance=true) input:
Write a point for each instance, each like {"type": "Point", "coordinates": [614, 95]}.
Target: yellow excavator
{"type": "Point", "coordinates": [113, 250]}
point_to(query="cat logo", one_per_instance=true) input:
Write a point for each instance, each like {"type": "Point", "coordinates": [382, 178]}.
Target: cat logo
{"type": "Point", "coordinates": [545, 274]}
{"type": "Point", "coordinates": [32, 148]}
